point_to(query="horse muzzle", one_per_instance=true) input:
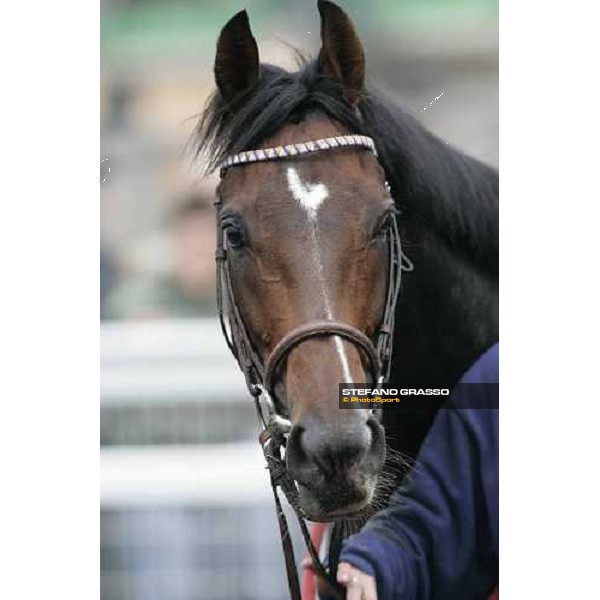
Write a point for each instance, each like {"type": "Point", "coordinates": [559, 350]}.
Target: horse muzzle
{"type": "Point", "coordinates": [336, 469]}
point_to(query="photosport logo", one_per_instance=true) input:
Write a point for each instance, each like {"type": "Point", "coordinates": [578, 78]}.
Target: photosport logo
{"type": "Point", "coordinates": [411, 397]}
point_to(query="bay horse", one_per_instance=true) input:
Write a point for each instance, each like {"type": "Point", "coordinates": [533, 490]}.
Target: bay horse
{"type": "Point", "coordinates": [304, 230]}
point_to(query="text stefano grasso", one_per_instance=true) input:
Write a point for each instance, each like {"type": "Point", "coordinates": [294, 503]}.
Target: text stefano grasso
{"type": "Point", "coordinates": [396, 391]}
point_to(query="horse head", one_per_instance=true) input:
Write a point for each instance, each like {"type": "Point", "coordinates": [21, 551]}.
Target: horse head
{"type": "Point", "coordinates": [307, 241]}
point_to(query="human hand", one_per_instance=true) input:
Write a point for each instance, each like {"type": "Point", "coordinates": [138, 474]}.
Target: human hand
{"type": "Point", "coordinates": [359, 585]}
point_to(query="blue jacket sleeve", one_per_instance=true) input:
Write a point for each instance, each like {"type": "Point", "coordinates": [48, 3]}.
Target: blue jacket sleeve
{"type": "Point", "coordinates": [438, 538]}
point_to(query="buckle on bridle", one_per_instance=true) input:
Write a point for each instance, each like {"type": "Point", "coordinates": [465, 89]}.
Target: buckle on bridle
{"type": "Point", "coordinates": [274, 423]}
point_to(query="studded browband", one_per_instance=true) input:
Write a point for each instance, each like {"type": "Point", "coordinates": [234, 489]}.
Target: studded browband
{"type": "Point", "coordinates": [290, 150]}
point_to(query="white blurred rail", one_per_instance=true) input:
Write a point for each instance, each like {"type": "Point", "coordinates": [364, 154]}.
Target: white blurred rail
{"type": "Point", "coordinates": [217, 475]}
{"type": "Point", "coordinates": [164, 361]}
{"type": "Point", "coordinates": [182, 358]}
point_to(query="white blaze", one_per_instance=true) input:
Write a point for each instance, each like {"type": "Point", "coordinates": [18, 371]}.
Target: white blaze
{"type": "Point", "coordinates": [310, 196]}
{"type": "Point", "coordinates": [343, 358]}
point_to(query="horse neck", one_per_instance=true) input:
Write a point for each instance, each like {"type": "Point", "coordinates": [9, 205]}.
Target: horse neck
{"type": "Point", "coordinates": [447, 313]}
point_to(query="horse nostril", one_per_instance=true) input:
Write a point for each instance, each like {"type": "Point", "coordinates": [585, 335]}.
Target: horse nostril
{"type": "Point", "coordinates": [377, 448]}
{"type": "Point", "coordinates": [301, 464]}
{"type": "Point", "coordinates": [294, 443]}
{"type": "Point", "coordinates": [374, 423]}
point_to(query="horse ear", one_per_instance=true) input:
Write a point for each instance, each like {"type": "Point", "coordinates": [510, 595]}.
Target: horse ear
{"type": "Point", "coordinates": [341, 54]}
{"type": "Point", "coordinates": [236, 62]}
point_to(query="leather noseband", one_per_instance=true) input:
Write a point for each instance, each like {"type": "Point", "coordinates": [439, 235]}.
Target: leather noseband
{"type": "Point", "coordinates": [319, 329]}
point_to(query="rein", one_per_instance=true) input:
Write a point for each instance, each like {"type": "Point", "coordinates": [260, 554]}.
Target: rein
{"type": "Point", "coordinates": [261, 375]}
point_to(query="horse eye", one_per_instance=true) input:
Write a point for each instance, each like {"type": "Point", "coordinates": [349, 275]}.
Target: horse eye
{"type": "Point", "coordinates": [234, 236]}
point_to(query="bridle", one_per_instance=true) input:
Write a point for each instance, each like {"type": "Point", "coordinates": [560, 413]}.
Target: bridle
{"type": "Point", "coordinates": [260, 375]}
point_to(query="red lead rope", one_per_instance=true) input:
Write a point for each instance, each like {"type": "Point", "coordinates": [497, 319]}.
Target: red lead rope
{"type": "Point", "coordinates": [309, 577]}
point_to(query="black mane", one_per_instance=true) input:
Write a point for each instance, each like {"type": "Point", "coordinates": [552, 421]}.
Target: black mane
{"type": "Point", "coordinates": [448, 191]}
